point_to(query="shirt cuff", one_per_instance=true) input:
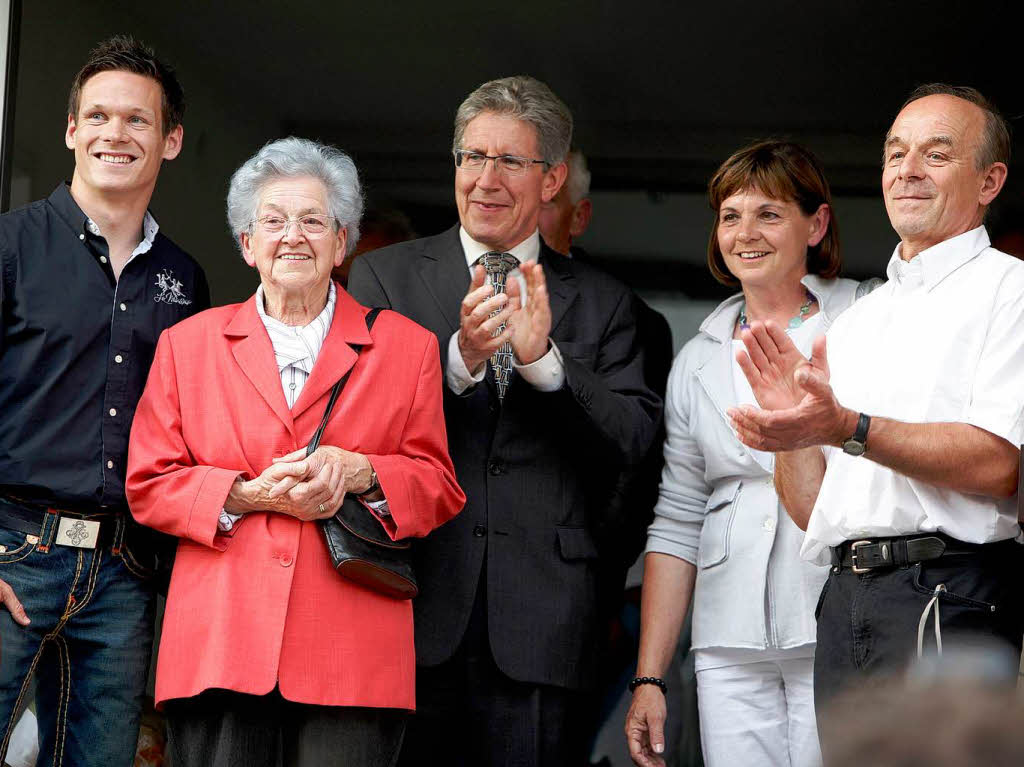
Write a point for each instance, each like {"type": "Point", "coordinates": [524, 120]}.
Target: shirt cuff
{"type": "Point", "coordinates": [545, 374]}
{"type": "Point", "coordinates": [380, 508]}
{"type": "Point", "coordinates": [227, 520]}
{"type": "Point", "coordinates": [458, 376]}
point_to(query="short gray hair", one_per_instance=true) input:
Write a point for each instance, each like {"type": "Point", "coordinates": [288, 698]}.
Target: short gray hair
{"type": "Point", "coordinates": [290, 158]}
{"type": "Point", "coordinates": [995, 137]}
{"type": "Point", "coordinates": [577, 183]}
{"type": "Point", "coordinates": [526, 99]}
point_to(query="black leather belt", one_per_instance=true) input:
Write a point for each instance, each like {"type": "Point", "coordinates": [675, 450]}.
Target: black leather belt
{"type": "Point", "coordinates": [877, 553]}
{"type": "Point", "coordinates": [84, 531]}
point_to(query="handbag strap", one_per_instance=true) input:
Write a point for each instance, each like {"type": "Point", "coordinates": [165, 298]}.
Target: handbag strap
{"type": "Point", "coordinates": [371, 317]}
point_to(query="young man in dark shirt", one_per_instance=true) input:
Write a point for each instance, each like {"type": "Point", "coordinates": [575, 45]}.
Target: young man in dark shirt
{"type": "Point", "coordinates": [87, 284]}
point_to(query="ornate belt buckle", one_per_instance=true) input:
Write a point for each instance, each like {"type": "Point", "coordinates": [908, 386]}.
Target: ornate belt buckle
{"type": "Point", "coordinates": [853, 557]}
{"type": "Point", "coordinates": [79, 533]}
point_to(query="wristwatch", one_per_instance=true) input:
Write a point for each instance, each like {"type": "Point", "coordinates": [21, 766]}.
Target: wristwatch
{"type": "Point", "coordinates": [858, 443]}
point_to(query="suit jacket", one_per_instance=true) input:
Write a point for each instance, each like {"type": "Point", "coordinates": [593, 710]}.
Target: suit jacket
{"type": "Point", "coordinates": [264, 605]}
{"type": "Point", "coordinates": [537, 469]}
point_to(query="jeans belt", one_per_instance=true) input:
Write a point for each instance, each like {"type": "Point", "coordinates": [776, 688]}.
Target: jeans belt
{"type": "Point", "coordinates": [880, 553]}
{"type": "Point", "coordinates": [75, 529]}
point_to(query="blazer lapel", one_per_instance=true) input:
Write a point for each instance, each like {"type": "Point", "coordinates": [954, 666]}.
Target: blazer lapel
{"type": "Point", "coordinates": [336, 356]}
{"type": "Point", "coordinates": [562, 290]}
{"type": "Point", "coordinates": [255, 356]}
{"type": "Point", "coordinates": [716, 376]}
{"type": "Point", "coordinates": [443, 270]}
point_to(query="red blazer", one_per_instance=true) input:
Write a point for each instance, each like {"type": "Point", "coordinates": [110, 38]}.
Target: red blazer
{"type": "Point", "coordinates": [263, 606]}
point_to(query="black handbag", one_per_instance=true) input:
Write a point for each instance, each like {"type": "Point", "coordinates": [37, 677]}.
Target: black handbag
{"type": "Point", "coordinates": [359, 548]}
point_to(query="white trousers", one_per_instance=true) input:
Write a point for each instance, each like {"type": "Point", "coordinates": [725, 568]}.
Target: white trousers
{"type": "Point", "coordinates": [758, 712]}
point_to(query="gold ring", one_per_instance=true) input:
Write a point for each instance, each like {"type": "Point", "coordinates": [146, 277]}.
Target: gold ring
{"type": "Point", "coordinates": [323, 510]}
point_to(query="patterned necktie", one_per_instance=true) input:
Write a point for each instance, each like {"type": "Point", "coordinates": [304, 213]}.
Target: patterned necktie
{"type": "Point", "coordinates": [498, 265]}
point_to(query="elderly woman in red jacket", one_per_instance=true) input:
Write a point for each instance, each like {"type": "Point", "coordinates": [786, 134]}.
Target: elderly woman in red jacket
{"type": "Point", "coordinates": [268, 656]}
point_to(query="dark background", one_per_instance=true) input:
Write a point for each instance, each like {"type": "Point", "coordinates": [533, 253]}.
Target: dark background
{"type": "Point", "coordinates": [661, 93]}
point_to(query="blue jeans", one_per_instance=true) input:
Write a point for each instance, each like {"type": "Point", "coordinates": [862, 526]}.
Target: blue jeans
{"type": "Point", "coordinates": [88, 644]}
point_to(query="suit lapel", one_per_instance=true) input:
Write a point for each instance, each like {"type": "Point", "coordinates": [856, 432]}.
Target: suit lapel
{"type": "Point", "coordinates": [336, 356]}
{"type": "Point", "coordinates": [716, 376]}
{"type": "Point", "coordinates": [443, 270]}
{"type": "Point", "coordinates": [255, 357]}
{"type": "Point", "coordinates": [562, 290]}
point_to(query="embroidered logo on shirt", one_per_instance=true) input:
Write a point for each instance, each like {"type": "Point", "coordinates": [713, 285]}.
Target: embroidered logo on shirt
{"type": "Point", "coordinates": [170, 289]}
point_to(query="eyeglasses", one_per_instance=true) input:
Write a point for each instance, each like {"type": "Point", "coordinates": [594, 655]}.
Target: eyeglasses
{"type": "Point", "coordinates": [313, 225]}
{"type": "Point", "coordinates": [474, 162]}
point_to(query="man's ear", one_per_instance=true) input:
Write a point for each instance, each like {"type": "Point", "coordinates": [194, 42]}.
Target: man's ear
{"type": "Point", "coordinates": [69, 134]}
{"type": "Point", "coordinates": [172, 142]}
{"type": "Point", "coordinates": [553, 181]}
{"type": "Point", "coordinates": [581, 214]}
{"type": "Point", "coordinates": [992, 183]}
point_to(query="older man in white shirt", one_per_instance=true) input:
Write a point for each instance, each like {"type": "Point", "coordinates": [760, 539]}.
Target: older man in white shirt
{"type": "Point", "coordinates": [898, 450]}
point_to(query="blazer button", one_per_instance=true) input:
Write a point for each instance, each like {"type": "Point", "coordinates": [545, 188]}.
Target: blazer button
{"type": "Point", "coordinates": [286, 560]}
{"type": "Point", "coordinates": [479, 531]}
{"type": "Point", "coordinates": [495, 468]}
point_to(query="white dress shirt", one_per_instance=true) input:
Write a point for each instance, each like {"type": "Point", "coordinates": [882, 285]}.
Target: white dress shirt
{"type": "Point", "coordinates": [545, 374]}
{"type": "Point", "coordinates": [941, 341]}
{"type": "Point", "coordinates": [296, 349]}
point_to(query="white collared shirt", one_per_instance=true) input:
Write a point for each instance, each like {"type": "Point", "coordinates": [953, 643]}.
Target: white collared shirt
{"type": "Point", "coordinates": [545, 374]}
{"type": "Point", "coordinates": [941, 341]}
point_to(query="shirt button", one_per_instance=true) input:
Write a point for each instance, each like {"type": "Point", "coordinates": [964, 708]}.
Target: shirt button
{"type": "Point", "coordinates": [286, 560]}
{"type": "Point", "coordinates": [110, 464]}
{"type": "Point", "coordinates": [124, 308]}
{"type": "Point", "coordinates": [113, 411]}
{"type": "Point", "coordinates": [768, 524]}
{"type": "Point", "coordinates": [103, 259]}
{"type": "Point", "coordinates": [495, 468]}
{"type": "Point", "coordinates": [118, 359]}
{"type": "Point", "coordinates": [291, 386]}
{"type": "Point", "coordinates": [81, 236]}
{"type": "Point", "coordinates": [479, 531]}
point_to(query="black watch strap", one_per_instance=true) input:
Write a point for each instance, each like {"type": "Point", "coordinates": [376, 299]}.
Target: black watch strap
{"type": "Point", "coordinates": [858, 443]}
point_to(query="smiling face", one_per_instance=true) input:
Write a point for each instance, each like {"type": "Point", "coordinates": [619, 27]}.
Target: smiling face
{"type": "Point", "coordinates": [497, 209]}
{"type": "Point", "coordinates": [764, 241]}
{"type": "Point", "coordinates": [932, 185]}
{"type": "Point", "coordinates": [117, 136]}
{"type": "Point", "coordinates": [291, 263]}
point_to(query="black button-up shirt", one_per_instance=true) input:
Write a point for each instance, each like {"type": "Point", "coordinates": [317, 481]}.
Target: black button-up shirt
{"type": "Point", "coordinates": [75, 349]}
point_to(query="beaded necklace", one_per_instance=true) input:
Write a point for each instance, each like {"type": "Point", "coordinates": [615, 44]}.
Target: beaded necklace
{"type": "Point", "coordinates": [796, 322]}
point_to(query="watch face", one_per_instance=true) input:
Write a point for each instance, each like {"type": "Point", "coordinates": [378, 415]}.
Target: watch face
{"type": "Point", "coordinates": [853, 447]}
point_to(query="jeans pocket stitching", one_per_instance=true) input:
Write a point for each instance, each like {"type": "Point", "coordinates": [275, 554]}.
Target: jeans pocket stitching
{"type": "Point", "coordinates": [10, 557]}
{"type": "Point", "coordinates": [132, 566]}
{"type": "Point", "coordinates": [949, 596]}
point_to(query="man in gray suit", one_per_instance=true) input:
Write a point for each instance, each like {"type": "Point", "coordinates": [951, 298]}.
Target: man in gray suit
{"type": "Point", "coordinates": [545, 404]}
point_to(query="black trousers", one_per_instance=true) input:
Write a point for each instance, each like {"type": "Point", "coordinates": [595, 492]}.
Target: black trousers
{"type": "Point", "coordinates": [868, 624]}
{"type": "Point", "coordinates": [221, 728]}
{"type": "Point", "coordinates": [470, 714]}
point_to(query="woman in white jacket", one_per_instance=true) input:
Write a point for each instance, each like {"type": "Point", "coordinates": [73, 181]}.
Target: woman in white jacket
{"type": "Point", "coordinates": [720, 534]}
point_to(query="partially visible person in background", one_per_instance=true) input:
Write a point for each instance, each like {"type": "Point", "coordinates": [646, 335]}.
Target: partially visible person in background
{"type": "Point", "coordinates": [382, 225]}
{"type": "Point", "coordinates": [88, 281]}
{"type": "Point", "coordinates": [720, 534]}
{"type": "Point", "coordinates": [563, 220]}
{"type": "Point", "coordinates": [566, 216]}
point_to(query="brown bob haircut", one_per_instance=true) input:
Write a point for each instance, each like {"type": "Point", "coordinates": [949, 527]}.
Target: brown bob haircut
{"type": "Point", "coordinates": [123, 53]}
{"type": "Point", "coordinates": [781, 170]}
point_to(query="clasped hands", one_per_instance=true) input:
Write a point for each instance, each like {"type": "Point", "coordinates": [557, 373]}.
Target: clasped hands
{"type": "Point", "coordinates": [798, 406]}
{"type": "Point", "coordinates": [305, 487]}
{"type": "Point", "coordinates": [527, 323]}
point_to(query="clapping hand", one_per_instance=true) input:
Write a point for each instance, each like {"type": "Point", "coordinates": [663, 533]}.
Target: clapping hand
{"type": "Point", "coordinates": [798, 406]}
